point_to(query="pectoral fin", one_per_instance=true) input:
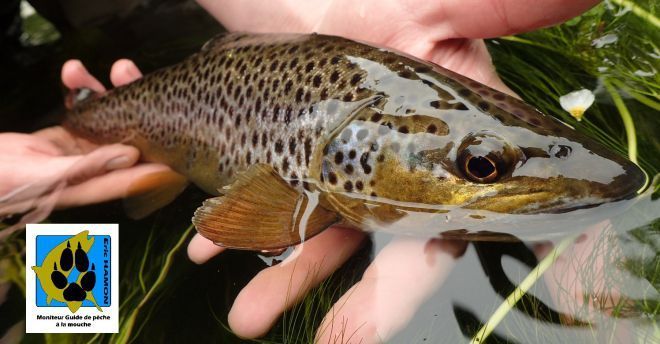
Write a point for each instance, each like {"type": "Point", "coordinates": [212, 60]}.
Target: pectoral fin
{"type": "Point", "coordinates": [260, 211]}
{"type": "Point", "coordinates": [152, 192]}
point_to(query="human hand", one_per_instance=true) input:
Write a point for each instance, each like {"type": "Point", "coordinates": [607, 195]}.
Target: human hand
{"type": "Point", "coordinates": [51, 168]}
{"type": "Point", "coordinates": [447, 33]}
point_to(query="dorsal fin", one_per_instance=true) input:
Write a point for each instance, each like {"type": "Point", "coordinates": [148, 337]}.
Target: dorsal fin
{"type": "Point", "coordinates": [260, 211]}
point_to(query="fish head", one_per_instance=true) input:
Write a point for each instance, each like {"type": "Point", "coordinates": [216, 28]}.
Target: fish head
{"type": "Point", "coordinates": [472, 147]}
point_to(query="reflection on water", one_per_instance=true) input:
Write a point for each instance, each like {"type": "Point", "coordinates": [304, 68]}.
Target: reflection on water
{"type": "Point", "coordinates": [435, 290]}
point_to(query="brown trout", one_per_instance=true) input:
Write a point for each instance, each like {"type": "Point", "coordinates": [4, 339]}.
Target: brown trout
{"type": "Point", "coordinates": [300, 132]}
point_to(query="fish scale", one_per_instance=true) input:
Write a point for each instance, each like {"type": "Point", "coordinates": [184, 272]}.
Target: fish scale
{"type": "Point", "coordinates": [376, 132]}
{"type": "Point", "coordinates": [239, 101]}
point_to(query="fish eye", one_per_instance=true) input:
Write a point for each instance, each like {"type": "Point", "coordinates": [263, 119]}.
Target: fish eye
{"type": "Point", "coordinates": [485, 158]}
{"type": "Point", "coordinates": [480, 169]}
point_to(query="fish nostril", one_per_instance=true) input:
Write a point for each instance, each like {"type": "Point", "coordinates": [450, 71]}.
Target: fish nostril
{"type": "Point", "coordinates": [561, 151]}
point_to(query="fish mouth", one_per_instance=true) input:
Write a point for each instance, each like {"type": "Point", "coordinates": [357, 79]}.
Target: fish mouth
{"type": "Point", "coordinates": [629, 184]}
{"type": "Point", "coordinates": [564, 209]}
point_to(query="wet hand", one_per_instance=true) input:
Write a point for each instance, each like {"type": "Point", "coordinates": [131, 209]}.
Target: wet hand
{"type": "Point", "coordinates": [53, 169]}
{"type": "Point", "coordinates": [448, 33]}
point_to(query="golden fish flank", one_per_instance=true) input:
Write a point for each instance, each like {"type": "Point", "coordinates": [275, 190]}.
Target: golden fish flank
{"type": "Point", "coordinates": [339, 126]}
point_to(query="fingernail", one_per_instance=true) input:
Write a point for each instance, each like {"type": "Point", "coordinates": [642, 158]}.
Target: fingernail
{"type": "Point", "coordinates": [118, 162]}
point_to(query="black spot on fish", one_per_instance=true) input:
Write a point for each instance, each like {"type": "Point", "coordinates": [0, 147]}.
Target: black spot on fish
{"type": "Point", "coordinates": [308, 150]}
{"type": "Point", "coordinates": [294, 179]}
{"type": "Point", "coordinates": [335, 60]}
{"type": "Point", "coordinates": [276, 113]}
{"type": "Point", "coordinates": [292, 145]}
{"type": "Point", "coordinates": [352, 154]}
{"type": "Point", "coordinates": [255, 139]}
{"type": "Point", "coordinates": [287, 115]}
{"type": "Point", "coordinates": [299, 95]}
{"type": "Point", "coordinates": [339, 157]}
{"type": "Point", "coordinates": [359, 185]}
{"type": "Point", "coordinates": [364, 162]}
{"type": "Point", "coordinates": [355, 79]}
{"type": "Point", "coordinates": [464, 92]}
{"type": "Point", "coordinates": [348, 186]}
{"type": "Point", "coordinates": [334, 77]}
{"type": "Point", "coordinates": [332, 178]}
{"type": "Point", "coordinates": [405, 74]}
{"type": "Point", "coordinates": [293, 63]}
{"type": "Point", "coordinates": [287, 87]}
{"type": "Point", "coordinates": [316, 81]}
{"type": "Point", "coordinates": [422, 69]}
{"type": "Point", "coordinates": [376, 117]}
{"type": "Point", "coordinates": [285, 165]}
{"type": "Point", "coordinates": [460, 106]}
{"type": "Point", "coordinates": [484, 106]}
{"type": "Point", "coordinates": [403, 129]}
{"type": "Point", "coordinates": [348, 169]}
{"type": "Point", "coordinates": [279, 146]}
{"type": "Point", "coordinates": [431, 129]}
{"type": "Point", "coordinates": [309, 67]}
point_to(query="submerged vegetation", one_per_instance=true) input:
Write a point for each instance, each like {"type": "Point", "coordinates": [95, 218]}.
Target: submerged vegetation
{"type": "Point", "coordinates": [611, 50]}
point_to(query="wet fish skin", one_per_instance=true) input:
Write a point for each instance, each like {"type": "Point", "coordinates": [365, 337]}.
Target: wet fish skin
{"type": "Point", "coordinates": [360, 123]}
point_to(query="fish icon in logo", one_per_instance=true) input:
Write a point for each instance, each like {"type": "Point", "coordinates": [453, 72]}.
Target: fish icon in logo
{"type": "Point", "coordinates": [60, 263]}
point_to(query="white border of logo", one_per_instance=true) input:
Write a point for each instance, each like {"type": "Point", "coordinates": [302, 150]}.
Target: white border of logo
{"type": "Point", "coordinates": [34, 325]}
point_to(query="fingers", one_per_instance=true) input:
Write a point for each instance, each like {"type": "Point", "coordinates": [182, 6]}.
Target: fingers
{"type": "Point", "coordinates": [468, 57]}
{"type": "Point", "coordinates": [493, 18]}
{"type": "Point", "coordinates": [267, 16]}
{"type": "Point", "coordinates": [586, 279]}
{"type": "Point", "coordinates": [109, 186]}
{"type": "Point", "coordinates": [98, 162]}
{"type": "Point", "coordinates": [123, 72]}
{"type": "Point", "coordinates": [75, 75]}
{"type": "Point", "coordinates": [44, 173]}
{"type": "Point", "coordinates": [64, 142]}
{"type": "Point", "coordinates": [403, 275]}
{"type": "Point", "coordinates": [277, 288]}
{"type": "Point", "coordinates": [200, 249]}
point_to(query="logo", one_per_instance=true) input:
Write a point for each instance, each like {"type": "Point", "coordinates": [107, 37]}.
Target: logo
{"type": "Point", "coordinates": [71, 278]}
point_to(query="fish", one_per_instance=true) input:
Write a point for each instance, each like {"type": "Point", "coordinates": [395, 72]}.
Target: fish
{"type": "Point", "coordinates": [293, 133]}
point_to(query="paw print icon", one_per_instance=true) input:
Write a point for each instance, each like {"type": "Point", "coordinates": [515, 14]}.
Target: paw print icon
{"type": "Point", "coordinates": [73, 291]}
{"type": "Point", "coordinates": [67, 275]}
